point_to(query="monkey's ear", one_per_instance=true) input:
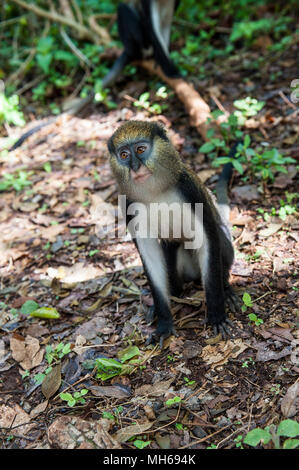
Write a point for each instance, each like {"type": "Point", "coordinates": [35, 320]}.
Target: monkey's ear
{"type": "Point", "coordinates": [160, 131]}
{"type": "Point", "coordinates": [111, 147]}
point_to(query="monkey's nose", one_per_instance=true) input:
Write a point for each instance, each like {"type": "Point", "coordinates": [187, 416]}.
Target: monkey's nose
{"type": "Point", "coordinates": [135, 164]}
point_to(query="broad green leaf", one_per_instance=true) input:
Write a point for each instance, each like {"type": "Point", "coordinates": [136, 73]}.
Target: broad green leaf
{"type": "Point", "coordinates": [207, 147]}
{"type": "Point", "coordinates": [256, 436]}
{"type": "Point", "coordinates": [246, 140]}
{"type": "Point", "coordinates": [237, 165]}
{"type": "Point", "coordinates": [141, 444]}
{"type": "Point", "coordinates": [291, 444]}
{"type": "Point", "coordinates": [44, 61]}
{"type": "Point", "coordinates": [128, 353]}
{"type": "Point", "coordinates": [247, 299]}
{"type": "Point", "coordinates": [288, 428]}
{"type": "Point", "coordinates": [28, 307]}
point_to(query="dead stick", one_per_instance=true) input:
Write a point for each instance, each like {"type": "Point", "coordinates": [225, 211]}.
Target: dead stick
{"type": "Point", "coordinates": [198, 110]}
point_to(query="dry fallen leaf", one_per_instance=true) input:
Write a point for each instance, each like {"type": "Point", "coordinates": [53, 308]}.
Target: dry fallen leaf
{"type": "Point", "coordinates": [222, 352]}
{"type": "Point", "coordinates": [290, 402]}
{"type": "Point", "coordinates": [157, 389]}
{"type": "Point", "coordinates": [16, 418]}
{"type": "Point", "coordinates": [38, 409]}
{"type": "Point", "coordinates": [26, 351]}
{"type": "Point", "coordinates": [52, 381]}
{"type": "Point", "coordinates": [127, 432]}
{"type": "Point", "coordinates": [270, 230]}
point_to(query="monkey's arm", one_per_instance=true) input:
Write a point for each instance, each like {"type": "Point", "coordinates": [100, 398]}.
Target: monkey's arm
{"type": "Point", "coordinates": [155, 269]}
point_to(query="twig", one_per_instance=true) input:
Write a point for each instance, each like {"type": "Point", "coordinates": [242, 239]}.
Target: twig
{"type": "Point", "coordinates": [54, 16]}
{"type": "Point", "coordinates": [205, 438]}
{"type": "Point", "coordinates": [29, 85]}
{"type": "Point", "coordinates": [75, 49]}
{"type": "Point", "coordinates": [198, 110]}
{"type": "Point", "coordinates": [78, 11]}
{"type": "Point", "coordinates": [102, 32]}
{"type": "Point", "coordinates": [286, 100]}
{"type": "Point", "coordinates": [228, 437]}
{"type": "Point", "coordinates": [11, 21]}
{"type": "Point", "coordinates": [66, 9]}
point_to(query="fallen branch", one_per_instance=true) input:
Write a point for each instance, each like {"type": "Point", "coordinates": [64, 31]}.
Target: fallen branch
{"type": "Point", "coordinates": [198, 110]}
{"type": "Point", "coordinates": [102, 32]}
{"type": "Point", "coordinates": [54, 16]}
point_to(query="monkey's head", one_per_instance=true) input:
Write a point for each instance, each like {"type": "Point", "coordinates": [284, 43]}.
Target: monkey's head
{"type": "Point", "coordinates": [143, 160]}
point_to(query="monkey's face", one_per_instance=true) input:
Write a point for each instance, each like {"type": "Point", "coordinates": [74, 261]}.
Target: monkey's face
{"type": "Point", "coordinates": [143, 160]}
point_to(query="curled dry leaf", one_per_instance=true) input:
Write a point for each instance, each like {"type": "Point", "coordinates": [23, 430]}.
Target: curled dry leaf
{"type": "Point", "coordinates": [70, 432]}
{"type": "Point", "coordinates": [15, 419]}
{"type": "Point", "coordinates": [51, 382]}
{"type": "Point", "coordinates": [223, 351]}
{"type": "Point", "coordinates": [126, 433]}
{"type": "Point", "coordinates": [38, 409]}
{"type": "Point", "coordinates": [26, 351]}
{"type": "Point", "coordinates": [157, 389]}
{"type": "Point", "coordinates": [290, 402]}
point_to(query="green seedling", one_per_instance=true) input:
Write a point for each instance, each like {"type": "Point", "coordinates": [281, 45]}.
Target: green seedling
{"type": "Point", "coordinates": [253, 318]}
{"type": "Point", "coordinates": [74, 399]}
{"type": "Point", "coordinates": [286, 429]}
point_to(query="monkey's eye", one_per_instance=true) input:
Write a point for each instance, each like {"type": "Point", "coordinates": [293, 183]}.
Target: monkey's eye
{"type": "Point", "coordinates": [140, 149]}
{"type": "Point", "coordinates": [124, 154]}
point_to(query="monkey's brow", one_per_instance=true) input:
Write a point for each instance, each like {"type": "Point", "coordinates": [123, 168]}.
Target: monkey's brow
{"type": "Point", "coordinates": [128, 142]}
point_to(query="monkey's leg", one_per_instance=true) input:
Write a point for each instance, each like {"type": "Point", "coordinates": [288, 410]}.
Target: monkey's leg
{"type": "Point", "coordinates": [131, 35]}
{"type": "Point", "coordinates": [154, 264]}
{"type": "Point", "coordinates": [170, 250]}
{"type": "Point", "coordinates": [212, 277]}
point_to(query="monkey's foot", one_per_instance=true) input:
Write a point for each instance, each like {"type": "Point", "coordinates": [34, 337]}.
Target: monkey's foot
{"type": "Point", "coordinates": [150, 315]}
{"type": "Point", "coordinates": [232, 301]}
{"type": "Point", "coordinates": [160, 335]}
{"type": "Point", "coordinates": [224, 328]}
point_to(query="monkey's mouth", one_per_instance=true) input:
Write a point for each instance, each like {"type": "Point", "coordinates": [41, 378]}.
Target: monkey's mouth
{"type": "Point", "coordinates": [141, 175]}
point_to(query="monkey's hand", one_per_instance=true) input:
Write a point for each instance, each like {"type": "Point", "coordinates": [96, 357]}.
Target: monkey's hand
{"type": "Point", "coordinates": [163, 331]}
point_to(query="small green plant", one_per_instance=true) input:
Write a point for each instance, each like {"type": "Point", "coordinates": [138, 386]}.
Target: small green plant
{"type": "Point", "coordinates": [141, 444]}
{"type": "Point", "coordinates": [9, 110]}
{"type": "Point", "coordinates": [247, 363]}
{"type": "Point", "coordinates": [108, 368]}
{"type": "Point", "coordinates": [189, 382]}
{"type": "Point", "coordinates": [108, 415]}
{"type": "Point", "coordinates": [275, 389]}
{"type": "Point", "coordinates": [52, 356]}
{"type": "Point", "coordinates": [238, 440]}
{"type": "Point", "coordinates": [247, 302]}
{"type": "Point", "coordinates": [170, 358]}
{"type": "Point", "coordinates": [56, 354]}
{"type": "Point", "coordinates": [253, 318]}
{"type": "Point", "coordinates": [286, 429]}
{"type": "Point", "coordinates": [17, 182]}
{"type": "Point", "coordinates": [286, 208]}
{"type": "Point", "coordinates": [143, 101]}
{"type": "Point", "coordinates": [255, 256]}
{"type": "Point", "coordinates": [102, 95]}
{"type": "Point", "coordinates": [173, 401]}
{"type": "Point", "coordinates": [246, 108]}
{"type": "Point", "coordinates": [74, 399]}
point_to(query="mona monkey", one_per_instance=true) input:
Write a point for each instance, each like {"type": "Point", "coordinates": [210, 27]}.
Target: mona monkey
{"type": "Point", "coordinates": [149, 170]}
{"type": "Point", "coordinates": [144, 29]}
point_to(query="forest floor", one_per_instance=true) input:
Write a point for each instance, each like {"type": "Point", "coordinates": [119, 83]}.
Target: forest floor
{"type": "Point", "coordinates": [198, 391]}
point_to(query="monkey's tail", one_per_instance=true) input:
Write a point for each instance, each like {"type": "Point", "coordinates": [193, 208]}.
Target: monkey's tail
{"type": "Point", "coordinates": [27, 134]}
{"type": "Point", "coordinates": [223, 185]}
{"type": "Point", "coordinates": [116, 70]}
